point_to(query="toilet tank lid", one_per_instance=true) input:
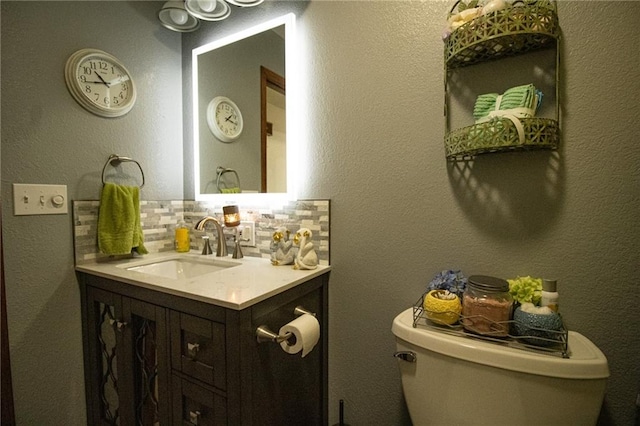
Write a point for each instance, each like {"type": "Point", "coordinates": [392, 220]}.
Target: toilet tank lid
{"type": "Point", "coordinates": [586, 361]}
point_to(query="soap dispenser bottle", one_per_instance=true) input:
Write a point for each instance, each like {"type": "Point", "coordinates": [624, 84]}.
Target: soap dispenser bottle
{"type": "Point", "coordinates": [550, 294]}
{"type": "Point", "coordinates": [182, 241]}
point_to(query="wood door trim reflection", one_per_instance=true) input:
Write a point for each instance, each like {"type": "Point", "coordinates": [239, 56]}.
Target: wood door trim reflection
{"type": "Point", "coordinates": [268, 79]}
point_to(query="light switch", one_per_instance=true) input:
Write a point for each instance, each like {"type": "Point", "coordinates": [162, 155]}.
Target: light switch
{"type": "Point", "coordinates": [39, 199]}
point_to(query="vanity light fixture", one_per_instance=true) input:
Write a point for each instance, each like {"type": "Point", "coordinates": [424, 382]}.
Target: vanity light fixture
{"type": "Point", "coordinates": [174, 16]}
{"type": "Point", "coordinates": [208, 10]}
{"type": "Point", "coordinates": [245, 3]}
{"type": "Point", "coordinates": [184, 15]}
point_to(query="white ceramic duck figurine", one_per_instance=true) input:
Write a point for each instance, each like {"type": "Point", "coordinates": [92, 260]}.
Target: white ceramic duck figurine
{"type": "Point", "coordinates": [284, 253]}
{"type": "Point", "coordinates": [306, 258]}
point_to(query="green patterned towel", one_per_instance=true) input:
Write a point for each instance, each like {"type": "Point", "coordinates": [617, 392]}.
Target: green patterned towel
{"type": "Point", "coordinates": [522, 100]}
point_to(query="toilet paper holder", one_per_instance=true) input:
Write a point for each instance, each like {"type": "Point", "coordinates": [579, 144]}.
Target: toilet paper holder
{"type": "Point", "coordinates": [264, 333]}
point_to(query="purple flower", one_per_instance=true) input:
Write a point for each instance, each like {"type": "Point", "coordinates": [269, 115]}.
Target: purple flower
{"type": "Point", "coordinates": [451, 280]}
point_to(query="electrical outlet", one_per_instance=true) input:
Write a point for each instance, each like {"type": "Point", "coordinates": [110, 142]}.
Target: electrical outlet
{"type": "Point", "coordinates": [39, 199]}
{"type": "Point", "coordinates": [248, 233]}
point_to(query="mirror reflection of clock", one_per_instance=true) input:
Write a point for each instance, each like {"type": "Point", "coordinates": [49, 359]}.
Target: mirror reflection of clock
{"type": "Point", "coordinates": [224, 119]}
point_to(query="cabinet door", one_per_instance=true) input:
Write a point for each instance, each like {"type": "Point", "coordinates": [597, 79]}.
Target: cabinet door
{"type": "Point", "coordinates": [147, 353]}
{"type": "Point", "coordinates": [107, 373]}
{"type": "Point", "coordinates": [128, 377]}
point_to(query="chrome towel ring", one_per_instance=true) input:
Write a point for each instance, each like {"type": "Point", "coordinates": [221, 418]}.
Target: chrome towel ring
{"type": "Point", "coordinates": [114, 160]}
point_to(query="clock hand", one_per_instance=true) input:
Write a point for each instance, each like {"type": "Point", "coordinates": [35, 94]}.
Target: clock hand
{"type": "Point", "coordinates": [229, 120]}
{"type": "Point", "coordinates": [101, 79]}
{"type": "Point", "coordinates": [119, 80]}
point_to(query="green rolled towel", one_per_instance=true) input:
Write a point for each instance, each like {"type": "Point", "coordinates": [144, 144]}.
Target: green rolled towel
{"type": "Point", "coordinates": [119, 229]}
{"type": "Point", "coordinates": [234, 190]}
{"type": "Point", "coordinates": [524, 96]}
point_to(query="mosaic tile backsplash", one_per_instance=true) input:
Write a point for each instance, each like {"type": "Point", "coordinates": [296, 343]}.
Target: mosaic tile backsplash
{"type": "Point", "coordinates": [160, 218]}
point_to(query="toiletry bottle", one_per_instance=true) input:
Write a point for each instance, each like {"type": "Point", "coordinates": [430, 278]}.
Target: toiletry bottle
{"type": "Point", "coordinates": [182, 242]}
{"type": "Point", "coordinates": [550, 294]}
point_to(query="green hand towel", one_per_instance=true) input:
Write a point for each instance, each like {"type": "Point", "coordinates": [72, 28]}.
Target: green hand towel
{"type": "Point", "coordinates": [234, 190]}
{"type": "Point", "coordinates": [119, 229]}
{"type": "Point", "coordinates": [516, 97]}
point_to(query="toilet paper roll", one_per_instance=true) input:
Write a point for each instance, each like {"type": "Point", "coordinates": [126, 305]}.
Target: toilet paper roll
{"type": "Point", "coordinates": [306, 330]}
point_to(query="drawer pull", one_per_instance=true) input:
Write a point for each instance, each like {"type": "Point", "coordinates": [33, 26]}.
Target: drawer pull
{"type": "Point", "coordinates": [192, 350]}
{"type": "Point", "coordinates": [120, 325]}
{"type": "Point", "coordinates": [194, 416]}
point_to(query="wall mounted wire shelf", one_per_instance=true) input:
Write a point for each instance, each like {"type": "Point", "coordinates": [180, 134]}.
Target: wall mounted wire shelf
{"type": "Point", "coordinates": [501, 135]}
{"type": "Point", "coordinates": [543, 341]}
{"type": "Point", "coordinates": [525, 26]}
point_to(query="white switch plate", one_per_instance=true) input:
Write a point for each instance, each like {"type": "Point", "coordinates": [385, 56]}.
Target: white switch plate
{"type": "Point", "coordinates": [39, 199]}
{"type": "Point", "coordinates": [248, 233]}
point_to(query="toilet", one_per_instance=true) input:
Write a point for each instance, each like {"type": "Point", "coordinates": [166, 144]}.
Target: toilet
{"type": "Point", "coordinates": [450, 379]}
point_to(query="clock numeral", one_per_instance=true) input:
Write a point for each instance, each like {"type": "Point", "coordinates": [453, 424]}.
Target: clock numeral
{"type": "Point", "coordinates": [86, 70]}
{"type": "Point", "coordinates": [99, 65]}
{"type": "Point", "coordinates": [106, 101]}
{"type": "Point", "coordinates": [87, 89]}
{"type": "Point", "coordinates": [117, 99]}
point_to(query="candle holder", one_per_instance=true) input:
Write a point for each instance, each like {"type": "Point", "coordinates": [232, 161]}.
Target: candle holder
{"type": "Point", "coordinates": [232, 220]}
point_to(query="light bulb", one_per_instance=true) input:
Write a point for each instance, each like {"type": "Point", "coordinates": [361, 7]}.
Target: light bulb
{"type": "Point", "coordinates": [178, 16]}
{"type": "Point", "coordinates": [207, 5]}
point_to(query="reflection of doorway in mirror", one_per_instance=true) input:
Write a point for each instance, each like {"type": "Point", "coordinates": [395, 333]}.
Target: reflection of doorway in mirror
{"type": "Point", "coordinates": [273, 132]}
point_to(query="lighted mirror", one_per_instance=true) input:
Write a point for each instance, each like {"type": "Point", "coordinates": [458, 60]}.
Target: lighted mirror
{"type": "Point", "coordinates": [243, 93]}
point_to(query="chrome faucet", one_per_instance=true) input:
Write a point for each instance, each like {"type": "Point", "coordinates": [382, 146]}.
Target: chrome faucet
{"type": "Point", "coordinates": [221, 250]}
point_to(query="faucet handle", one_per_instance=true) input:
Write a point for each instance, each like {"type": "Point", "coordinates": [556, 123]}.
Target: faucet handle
{"type": "Point", "coordinates": [206, 249]}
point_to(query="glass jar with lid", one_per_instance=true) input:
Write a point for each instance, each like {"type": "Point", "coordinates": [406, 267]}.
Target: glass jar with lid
{"type": "Point", "coordinates": [487, 306]}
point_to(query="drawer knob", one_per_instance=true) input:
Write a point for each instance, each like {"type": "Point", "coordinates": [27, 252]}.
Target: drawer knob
{"type": "Point", "coordinates": [194, 416]}
{"type": "Point", "coordinates": [192, 349]}
{"type": "Point", "coordinates": [120, 325]}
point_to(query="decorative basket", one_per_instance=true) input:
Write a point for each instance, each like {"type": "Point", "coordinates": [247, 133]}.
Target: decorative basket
{"type": "Point", "coordinates": [501, 135]}
{"type": "Point", "coordinates": [525, 26]}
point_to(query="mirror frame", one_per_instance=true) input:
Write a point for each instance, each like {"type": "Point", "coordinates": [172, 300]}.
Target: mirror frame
{"type": "Point", "coordinates": [291, 95]}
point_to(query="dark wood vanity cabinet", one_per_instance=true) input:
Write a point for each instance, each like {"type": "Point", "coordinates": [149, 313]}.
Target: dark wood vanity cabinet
{"type": "Point", "coordinates": [152, 358]}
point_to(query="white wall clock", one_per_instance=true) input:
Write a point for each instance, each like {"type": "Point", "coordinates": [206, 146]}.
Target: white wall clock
{"type": "Point", "coordinates": [224, 119]}
{"type": "Point", "coordinates": [100, 83]}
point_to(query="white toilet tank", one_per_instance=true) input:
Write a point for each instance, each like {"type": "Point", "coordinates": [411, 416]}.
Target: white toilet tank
{"type": "Point", "coordinates": [457, 380]}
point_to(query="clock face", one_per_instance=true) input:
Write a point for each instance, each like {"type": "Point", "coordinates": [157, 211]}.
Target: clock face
{"type": "Point", "coordinates": [224, 119]}
{"type": "Point", "coordinates": [100, 83]}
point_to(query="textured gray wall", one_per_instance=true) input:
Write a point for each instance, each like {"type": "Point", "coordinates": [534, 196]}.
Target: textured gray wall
{"type": "Point", "coordinates": [48, 138]}
{"type": "Point", "coordinates": [573, 216]}
{"type": "Point", "coordinates": [400, 213]}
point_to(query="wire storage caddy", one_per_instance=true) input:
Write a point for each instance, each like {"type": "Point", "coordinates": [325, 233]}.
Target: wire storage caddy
{"type": "Point", "coordinates": [544, 341]}
{"type": "Point", "coordinates": [525, 26]}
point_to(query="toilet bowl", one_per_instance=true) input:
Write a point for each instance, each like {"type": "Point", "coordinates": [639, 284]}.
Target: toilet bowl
{"type": "Point", "coordinates": [456, 380]}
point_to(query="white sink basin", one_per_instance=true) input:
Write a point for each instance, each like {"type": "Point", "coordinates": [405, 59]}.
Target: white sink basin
{"type": "Point", "coordinates": [183, 268]}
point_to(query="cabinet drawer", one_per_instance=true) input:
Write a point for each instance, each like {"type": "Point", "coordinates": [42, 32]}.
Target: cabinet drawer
{"type": "Point", "coordinates": [195, 405]}
{"type": "Point", "coordinates": [198, 348]}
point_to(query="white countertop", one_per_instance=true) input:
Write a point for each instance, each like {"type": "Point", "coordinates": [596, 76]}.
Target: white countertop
{"type": "Point", "coordinates": [239, 287]}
